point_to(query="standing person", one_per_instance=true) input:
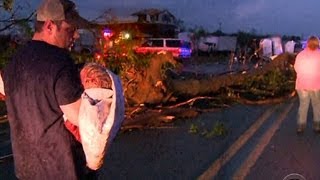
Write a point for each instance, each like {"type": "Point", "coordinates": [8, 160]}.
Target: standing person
{"type": "Point", "coordinates": [41, 84]}
{"type": "Point", "coordinates": [307, 67]}
{"type": "Point", "coordinates": [231, 60]}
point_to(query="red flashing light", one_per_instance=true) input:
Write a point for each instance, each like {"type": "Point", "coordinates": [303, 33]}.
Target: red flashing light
{"type": "Point", "coordinates": [98, 56]}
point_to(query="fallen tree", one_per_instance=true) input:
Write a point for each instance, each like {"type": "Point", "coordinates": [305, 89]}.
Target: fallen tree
{"type": "Point", "coordinates": [161, 92]}
{"type": "Point", "coordinates": [160, 83]}
{"type": "Point", "coordinates": [194, 85]}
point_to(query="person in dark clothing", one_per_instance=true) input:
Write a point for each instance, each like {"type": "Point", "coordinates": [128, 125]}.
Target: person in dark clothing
{"type": "Point", "coordinates": [42, 84]}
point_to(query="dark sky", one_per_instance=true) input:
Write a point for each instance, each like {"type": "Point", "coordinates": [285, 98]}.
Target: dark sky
{"type": "Point", "coordinates": [284, 17]}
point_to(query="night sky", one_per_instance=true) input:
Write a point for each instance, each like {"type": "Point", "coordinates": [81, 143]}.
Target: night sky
{"type": "Point", "coordinates": [283, 17]}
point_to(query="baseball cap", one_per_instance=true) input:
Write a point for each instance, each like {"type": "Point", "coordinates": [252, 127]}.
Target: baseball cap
{"type": "Point", "coordinates": [59, 10]}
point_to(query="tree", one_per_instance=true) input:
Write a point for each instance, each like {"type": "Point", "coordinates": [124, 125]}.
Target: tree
{"type": "Point", "coordinates": [107, 16]}
{"type": "Point", "coordinates": [11, 17]}
{"type": "Point", "coordinates": [199, 32]}
{"type": "Point", "coordinates": [180, 24]}
{"type": "Point", "coordinates": [218, 33]}
{"type": "Point", "coordinates": [7, 5]}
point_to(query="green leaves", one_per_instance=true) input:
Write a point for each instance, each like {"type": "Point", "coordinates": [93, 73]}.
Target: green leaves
{"type": "Point", "coordinates": [275, 83]}
{"type": "Point", "coordinates": [194, 129]}
{"type": "Point", "coordinates": [218, 130]}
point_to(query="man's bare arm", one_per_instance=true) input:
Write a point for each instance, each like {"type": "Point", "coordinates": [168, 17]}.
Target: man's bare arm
{"type": "Point", "coordinates": [1, 85]}
{"type": "Point", "coordinates": [2, 94]}
{"type": "Point", "coordinates": [71, 111]}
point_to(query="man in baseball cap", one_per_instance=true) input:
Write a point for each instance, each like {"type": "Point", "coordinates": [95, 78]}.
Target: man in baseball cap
{"type": "Point", "coordinates": [42, 86]}
{"type": "Point", "coordinates": [62, 13]}
{"type": "Point", "coordinates": [59, 10]}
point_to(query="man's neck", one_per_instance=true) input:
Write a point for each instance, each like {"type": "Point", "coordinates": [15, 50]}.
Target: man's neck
{"type": "Point", "coordinates": [39, 37]}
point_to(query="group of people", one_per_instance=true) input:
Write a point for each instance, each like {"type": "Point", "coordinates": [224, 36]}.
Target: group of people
{"type": "Point", "coordinates": [43, 92]}
{"type": "Point", "coordinates": [243, 56]}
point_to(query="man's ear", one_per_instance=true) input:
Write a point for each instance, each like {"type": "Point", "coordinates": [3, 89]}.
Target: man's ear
{"type": "Point", "coordinates": [48, 26]}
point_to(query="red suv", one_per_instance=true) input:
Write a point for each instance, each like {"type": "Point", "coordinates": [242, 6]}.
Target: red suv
{"type": "Point", "coordinates": [179, 48]}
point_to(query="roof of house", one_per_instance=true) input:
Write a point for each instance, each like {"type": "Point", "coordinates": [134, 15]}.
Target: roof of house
{"type": "Point", "coordinates": [151, 11]}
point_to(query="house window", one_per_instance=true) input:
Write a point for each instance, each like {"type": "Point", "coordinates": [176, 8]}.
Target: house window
{"type": "Point", "coordinates": [166, 18]}
{"type": "Point", "coordinates": [154, 18]}
{"type": "Point", "coordinates": [142, 18]}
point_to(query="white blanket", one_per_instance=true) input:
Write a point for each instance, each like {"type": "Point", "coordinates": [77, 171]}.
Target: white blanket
{"type": "Point", "coordinates": [100, 118]}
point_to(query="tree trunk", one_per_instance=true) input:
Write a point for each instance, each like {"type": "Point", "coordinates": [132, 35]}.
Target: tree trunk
{"type": "Point", "coordinates": [208, 84]}
{"type": "Point", "coordinates": [152, 86]}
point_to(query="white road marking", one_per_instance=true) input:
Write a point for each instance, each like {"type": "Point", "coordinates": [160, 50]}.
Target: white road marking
{"type": "Point", "coordinates": [243, 171]}
{"type": "Point", "coordinates": [233, 149]}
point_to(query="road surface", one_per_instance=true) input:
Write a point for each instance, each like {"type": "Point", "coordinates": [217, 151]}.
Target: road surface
{"type": "Point", "coordinates": [261, 143]}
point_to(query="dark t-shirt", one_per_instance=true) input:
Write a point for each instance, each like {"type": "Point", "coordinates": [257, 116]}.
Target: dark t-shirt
{"type": "Point", "coordinates": [39, 78]}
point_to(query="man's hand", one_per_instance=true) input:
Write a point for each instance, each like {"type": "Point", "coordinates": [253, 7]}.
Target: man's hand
{"type": "Point", "coordinates": [71, 111]}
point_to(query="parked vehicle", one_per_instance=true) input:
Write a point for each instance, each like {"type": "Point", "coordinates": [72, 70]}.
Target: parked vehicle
{"type": "Point", "coordinates": [179, 48]}
{"type": "Point", "coordinates": [85, 44]}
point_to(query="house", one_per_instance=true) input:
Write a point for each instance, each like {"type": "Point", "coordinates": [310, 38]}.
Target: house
{"type": "Point", "coordinates": [155, 16]}
{"type": "Point", "coordinates": [148, 22]}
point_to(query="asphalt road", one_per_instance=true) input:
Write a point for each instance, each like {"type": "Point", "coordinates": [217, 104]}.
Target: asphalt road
{"type": "Point", "coordinates": [174, 152]}
{"type": "Point", "coordinates": [260, 143]}
{"type": "Point", "coordinates": [170, 152]}
{"type": "Point", "coordinates": [288, 153]}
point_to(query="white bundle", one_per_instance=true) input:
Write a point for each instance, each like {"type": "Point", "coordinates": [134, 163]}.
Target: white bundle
{"type": "Point", "coordinates": [100, 118]}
